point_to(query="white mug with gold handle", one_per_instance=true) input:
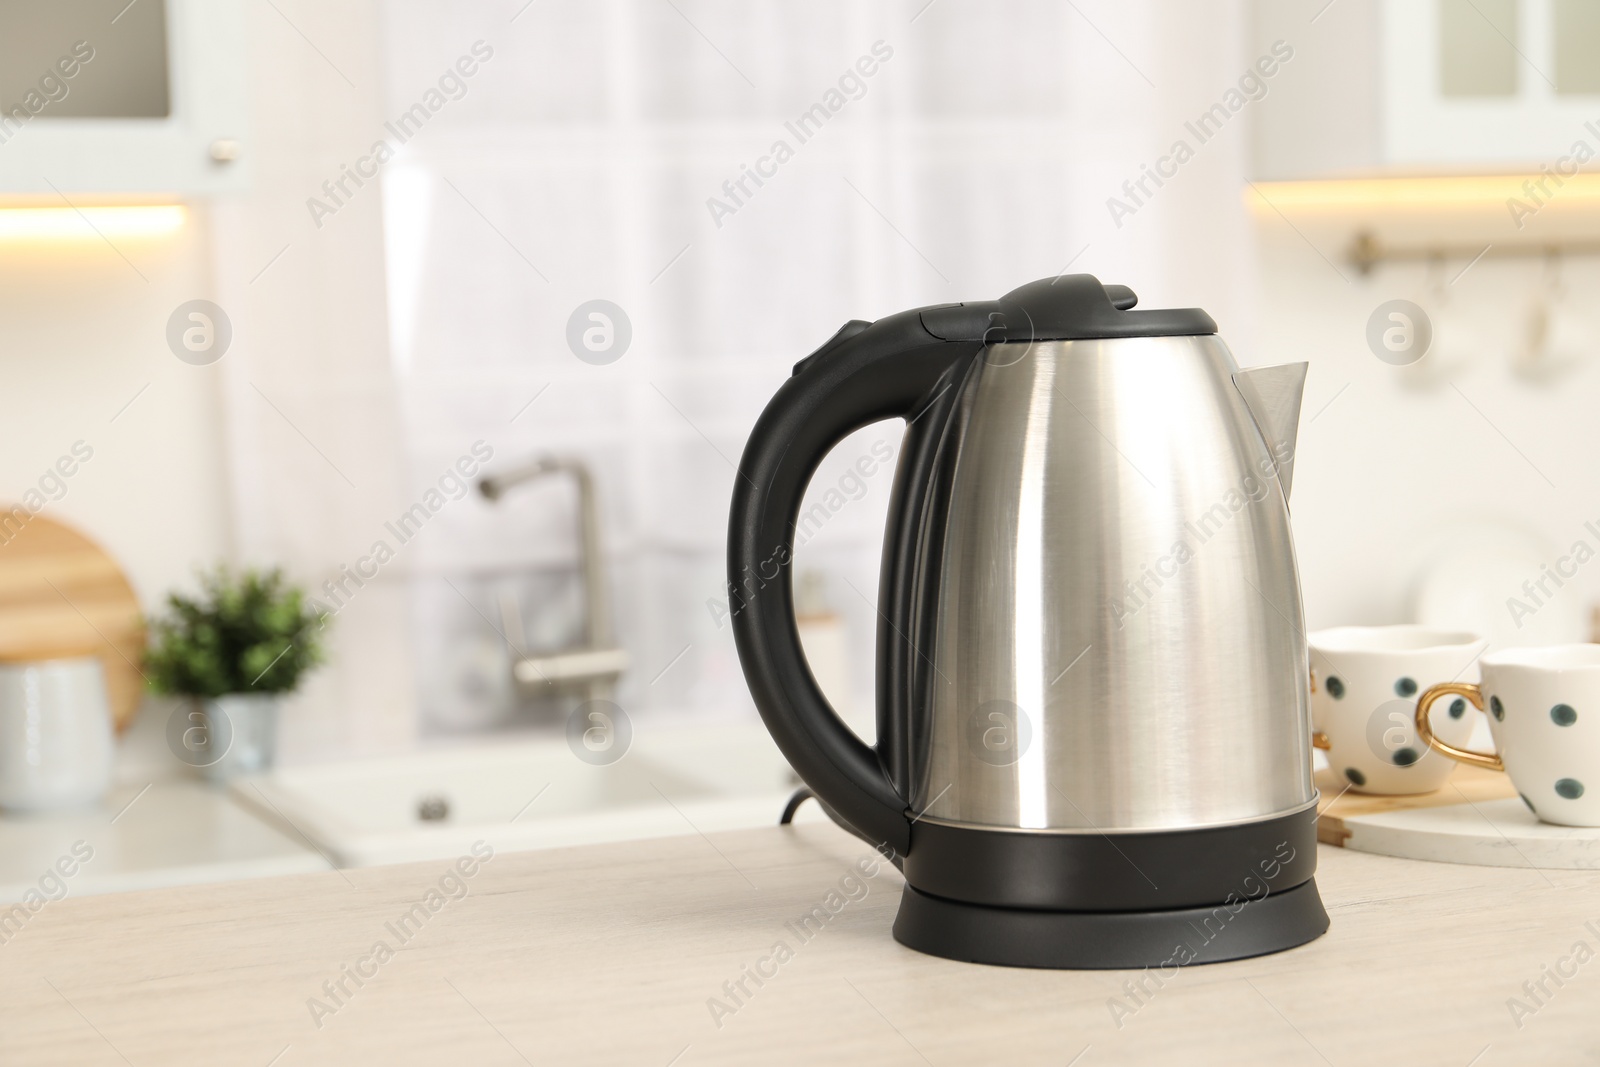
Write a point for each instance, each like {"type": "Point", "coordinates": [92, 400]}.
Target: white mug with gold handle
{"type": "Point", "coordinates": [1365, 681]}
{"type": "Point", "coordinates": [1544, 716]}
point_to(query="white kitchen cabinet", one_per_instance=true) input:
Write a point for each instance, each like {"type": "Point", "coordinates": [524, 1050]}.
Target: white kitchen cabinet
{"type": "Point", "coordinates": [1396, 86]}
{"type": "Point", "coordinates": [158, 108]}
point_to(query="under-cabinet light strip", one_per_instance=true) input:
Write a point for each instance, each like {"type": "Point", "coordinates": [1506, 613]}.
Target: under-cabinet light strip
{"type": "Point", "coordinates": [89, 222]}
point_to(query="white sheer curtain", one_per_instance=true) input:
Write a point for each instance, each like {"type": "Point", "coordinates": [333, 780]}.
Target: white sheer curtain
{"type": "Point", "coordinates": [577, 164]}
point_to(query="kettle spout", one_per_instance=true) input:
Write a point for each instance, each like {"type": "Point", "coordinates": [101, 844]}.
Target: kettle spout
{"type": "Point", "coordinates": [1273, 396]}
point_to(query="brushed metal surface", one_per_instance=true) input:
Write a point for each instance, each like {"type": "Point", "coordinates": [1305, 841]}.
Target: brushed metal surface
{"type": "Point", "coordinates": [1120, 641]}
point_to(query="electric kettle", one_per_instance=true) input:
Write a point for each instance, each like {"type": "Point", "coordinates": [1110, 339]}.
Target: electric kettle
{"type": "Point", "coordinates": [1093, 733]}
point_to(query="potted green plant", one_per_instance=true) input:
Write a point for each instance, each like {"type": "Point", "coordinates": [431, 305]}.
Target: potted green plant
{"type": "Point", "coordinates": [231, 653]}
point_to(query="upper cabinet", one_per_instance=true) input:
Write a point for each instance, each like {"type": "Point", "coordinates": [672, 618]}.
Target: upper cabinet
{"type": "Point", "coordinates": [1470, 82]}
{"type": "Point", "coordinates": [1386, 86]}
{"type": "Point", "coordinates": [105, 98]}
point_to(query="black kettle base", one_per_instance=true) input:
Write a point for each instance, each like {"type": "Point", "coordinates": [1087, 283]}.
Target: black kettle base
{"type": "Point", "coordinates": [1098, 940]}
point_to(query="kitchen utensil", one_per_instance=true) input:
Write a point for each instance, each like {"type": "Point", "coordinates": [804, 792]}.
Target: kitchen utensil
{"type": "Point", "coordinates": [1553, 337]}
{"type": "Point", "coordinates": [61, 595]}
{"type": "Point", "coordinates": [1093, 733]}
{"type": "Point", "coordinates": [1544, 715]}
{"type": "Point", "coordinates": [1365, 680]}
{"type": "Point", "coordinates": [55, 734]}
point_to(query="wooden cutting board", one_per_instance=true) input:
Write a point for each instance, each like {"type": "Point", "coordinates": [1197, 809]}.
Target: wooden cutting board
{"type": "Point", "coordinates": [63, 595]}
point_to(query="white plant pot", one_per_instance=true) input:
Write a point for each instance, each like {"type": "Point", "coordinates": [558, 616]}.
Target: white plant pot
{"type": "Point", "coordinates": [240, 735]}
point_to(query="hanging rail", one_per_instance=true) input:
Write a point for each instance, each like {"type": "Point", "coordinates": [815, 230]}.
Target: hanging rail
{"type": "Point", "coordinates": [1366, 252]}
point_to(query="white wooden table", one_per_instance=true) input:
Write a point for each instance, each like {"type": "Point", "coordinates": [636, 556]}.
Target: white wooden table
{"type": "Point", "coordinates": [618, 954]}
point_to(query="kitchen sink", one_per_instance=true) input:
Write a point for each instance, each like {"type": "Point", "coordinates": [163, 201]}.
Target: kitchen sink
{"type": "Point", "coordinates": [528, 794]}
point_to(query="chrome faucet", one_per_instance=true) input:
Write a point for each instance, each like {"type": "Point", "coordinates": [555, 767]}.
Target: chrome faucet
{"type": "Point", "coordinates": [594, 666]}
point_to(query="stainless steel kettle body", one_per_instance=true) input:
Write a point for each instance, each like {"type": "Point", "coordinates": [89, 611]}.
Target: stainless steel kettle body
{"type": "Point", "coordinates": [1118, 642]}
{"type": "Point", "coordinates": [1093, 735]}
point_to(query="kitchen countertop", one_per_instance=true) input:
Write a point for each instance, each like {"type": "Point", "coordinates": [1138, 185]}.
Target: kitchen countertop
{"type": "Point", "coordinates": [158, 833]}
{"type": "Point", "coordinates": [614, 953]}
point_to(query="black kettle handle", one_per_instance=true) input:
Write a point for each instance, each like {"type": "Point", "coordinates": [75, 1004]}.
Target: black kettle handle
{"type": "Point", "coordinates": [866, 372]}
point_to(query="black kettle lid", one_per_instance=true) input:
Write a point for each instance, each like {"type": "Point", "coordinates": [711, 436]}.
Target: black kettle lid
{"type": "Point", "coordinates": [1068, 307]}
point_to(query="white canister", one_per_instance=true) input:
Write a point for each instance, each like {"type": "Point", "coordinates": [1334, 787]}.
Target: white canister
{"type": "Point", "coordinates": [55, 734]}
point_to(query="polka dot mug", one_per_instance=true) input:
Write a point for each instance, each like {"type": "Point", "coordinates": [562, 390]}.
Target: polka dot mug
{"type": "Point", "coordinates": [1544, 716]}
{"type": "Point", "coordinates": [1364, 686]}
